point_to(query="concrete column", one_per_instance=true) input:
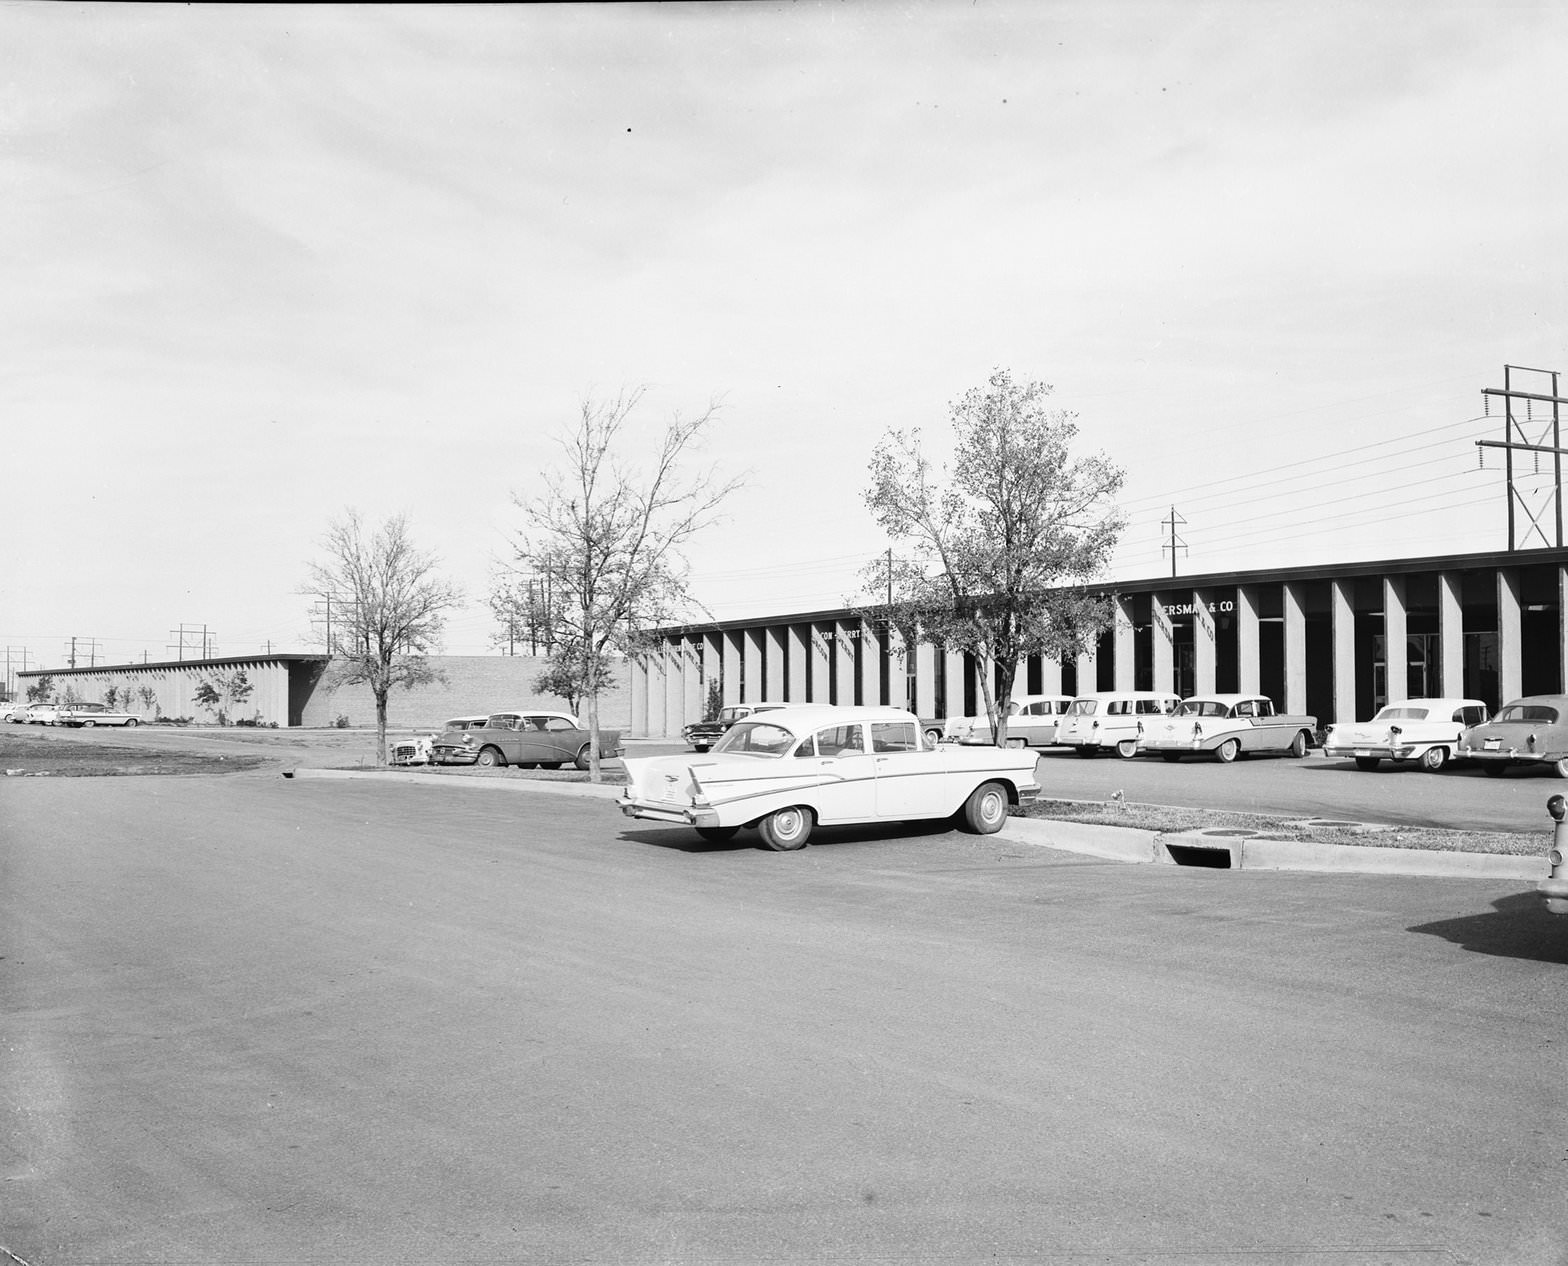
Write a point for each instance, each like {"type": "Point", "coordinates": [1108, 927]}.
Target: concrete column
{"type": "Point", "coordinates": [1164, 638]}
{"type": "Point", "coordinates": [693, 695]}
{"type": "Point", "coordinates": [751, 654]}
{"type": "Point", "coordinates": [1249, 671]}
{"type": "Point", "coordinates": [1562, 628]}
{"type": "Point", "coordinates": [1205, 649]}
{"type": "Point", "coordinates": [797, 646]}
{"type": "Point", "coordinates": [1395, 653]}
{"type": "Point", "coordinates": [955, 668]}
{"type": "Point", "coordinates": [1124, 645]}
{"type": "Point", "coordinates": [1050, 675]}
{"type": "Point", "coordinates": [1342, 614]}
{"type": "Point", "coordinates": [925, 680]}
{"type": "Point", "coordinates": [1450, 635]}
{"type": "Point", "coordinates": [1088, 672]}
{"type": "Point", "coordinates": [637, 687]}
{"type": "Point", "coordinates": [870, 666]}
{"type": "Point", "coordinates": [730, 650]}
{"type": "Point", "coordinates": [674, 686]}
{"type": "Point", "coordinates": [1510, 644]}
{"type": "Point", "coordinates": [656, 702]}
{"type": "Point", "coordinates": [774, 670]}
{"type": "Point", "coordinates": [844, 632]}
{"type": "Point", "coordinates": [1294, 605]}
{"type": "Point", "coordinates": [896, 669]}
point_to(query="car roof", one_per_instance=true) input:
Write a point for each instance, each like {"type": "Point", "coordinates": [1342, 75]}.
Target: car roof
{"type": "Point", "coordinates": [1135, 694]}
{"type": "Point", "coordinates": [1225, 698]}
{"type": "Point", "coordinates": [808, 714]}
{"type": "Point", "coordinates": [1557, 701]}
{"type": "Point", "coordinates": [1434, 701]}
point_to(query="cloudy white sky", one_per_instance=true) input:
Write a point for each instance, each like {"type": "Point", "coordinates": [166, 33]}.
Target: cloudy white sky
{"type": "Point", "coordinates": [265, 263]}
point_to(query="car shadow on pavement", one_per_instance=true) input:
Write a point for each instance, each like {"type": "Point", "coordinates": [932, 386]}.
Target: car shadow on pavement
{"type": "Point", "coordinates": [683, 840]}
{"type": "Point", "coordinates": [1519, 926]}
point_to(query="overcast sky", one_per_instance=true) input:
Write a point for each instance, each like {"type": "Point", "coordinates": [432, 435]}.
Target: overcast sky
{"type": "Point", "coordinates": [264, 264]}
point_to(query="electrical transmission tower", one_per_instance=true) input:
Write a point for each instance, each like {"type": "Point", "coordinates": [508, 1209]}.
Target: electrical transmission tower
{"type": "Point", "coordinates": [82, 646]}
{"type": "Point", "coordinates": [201, 641]}
{"type": "Point", "coordinates": [1523, 432]}
{"type": "Point", "coordinates": [1176, 542]}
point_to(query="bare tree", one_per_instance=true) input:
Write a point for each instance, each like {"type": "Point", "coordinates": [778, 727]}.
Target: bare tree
{"type": "Point", "coordinates": [607, 533]}
{"type": "Point", "coordinates": [997, 553]}
{"type": "Point", "coordinates": [393, 608]}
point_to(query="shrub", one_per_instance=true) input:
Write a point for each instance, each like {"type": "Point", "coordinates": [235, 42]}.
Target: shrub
{"type": "Point", "coordinates": [342, 721]}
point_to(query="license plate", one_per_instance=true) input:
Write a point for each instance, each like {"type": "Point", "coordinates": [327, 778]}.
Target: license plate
{"type": "Point", "coordinates": [1361, 751]}
{"type": "Point", "coordinates": [1493, 745]}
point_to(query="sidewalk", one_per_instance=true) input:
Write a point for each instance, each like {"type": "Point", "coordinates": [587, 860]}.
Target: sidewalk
{"type": "Point", "coordinates": [1226, 850]}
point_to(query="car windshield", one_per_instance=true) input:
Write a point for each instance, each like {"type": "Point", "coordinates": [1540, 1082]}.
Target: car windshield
{"type": "Point", "coordinates": [1201, 708]}
{"type": "Point", "coordinates": [1401, 714]}
{"type": "Point", "coordinates": [755, 738]}
{"type": "Point", "coordinates": [1083, 707]}
{"type": "Point", "coordinates": [1528, 712]}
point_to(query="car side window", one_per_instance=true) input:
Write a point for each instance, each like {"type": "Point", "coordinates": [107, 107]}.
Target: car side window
{"type": "Point", "coordinates": [808, 746]}
{"type": "Point", "coordinates": [1116, 708]}
{"type": "Point", "coordinates": [501, 721]}
{"type": "Point", "coordinates": [556, 724]}
{"type": "Point", "coordinates": [1245, 708]}
{"type": "Point", "coordinates": [894, 736]}
{"type": "Point", "coordinates": [839, 740]}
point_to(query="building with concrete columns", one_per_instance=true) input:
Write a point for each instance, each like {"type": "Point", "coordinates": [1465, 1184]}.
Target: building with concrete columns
{"type": "Point", "coordinates": [1336, 641]}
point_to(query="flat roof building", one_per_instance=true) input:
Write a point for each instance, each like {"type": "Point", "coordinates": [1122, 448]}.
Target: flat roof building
{"type": "Point", "coordinates": [1337, 641]}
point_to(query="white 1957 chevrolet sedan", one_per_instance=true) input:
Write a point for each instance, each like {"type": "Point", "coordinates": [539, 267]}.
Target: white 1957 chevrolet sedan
{"type": "Point", "coordinates": [787, 770]}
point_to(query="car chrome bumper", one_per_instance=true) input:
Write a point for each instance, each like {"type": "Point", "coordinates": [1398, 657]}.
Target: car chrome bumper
{"type": "Point", "coordinates": [657, 811]}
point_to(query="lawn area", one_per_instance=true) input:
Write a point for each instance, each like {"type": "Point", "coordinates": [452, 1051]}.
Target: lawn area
{"type": "Point", "coordinates": [29, 756]}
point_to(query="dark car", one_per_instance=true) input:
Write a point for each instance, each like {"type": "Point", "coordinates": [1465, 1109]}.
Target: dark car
{"type": "Point", "coordinates": [530, 740]}
{"type": "Point", "coordinates": [704, 734]}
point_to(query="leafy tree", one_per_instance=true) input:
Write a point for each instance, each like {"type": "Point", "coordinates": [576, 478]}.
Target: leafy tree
{"type": "Point", "coordinates": [219, 688]}
{"type": "Point", "coordinates": [606, 535]}
{"type": "Point", "coordinates": [111, 696]}
{"type": "Point", "coordinates": [998, 549]}
{"type": "Point", "coordinates": [148, 696]}
{"type": "Point", "coordinates": [569, 677]}
{"type": "Point", "coordinates": [393, 607]}
{"type": "Point", "coordinates": [42, 689]}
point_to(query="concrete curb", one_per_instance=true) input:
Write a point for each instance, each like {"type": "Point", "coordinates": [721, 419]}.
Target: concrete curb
{"type": "Point", "coordinates": [1249, 851]}
{"type": "Point", "coordinates": [1245, 850]}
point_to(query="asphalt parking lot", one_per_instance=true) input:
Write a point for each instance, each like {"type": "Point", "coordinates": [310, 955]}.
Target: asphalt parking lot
{"type": "Point", "coordinates": [257, 1019]}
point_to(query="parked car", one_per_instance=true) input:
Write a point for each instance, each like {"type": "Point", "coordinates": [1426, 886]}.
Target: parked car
{"type": "Point", "coordinates": [418, 749]}
{"type": "Point", "coordinates": [16, 712]}
{"type": "Point", "coordinates": [1031, 722]}
{"type": "Point", "coordinates": [546, 740]}
{"type": "Point", "coordinates": [1426, 731]}
{"type": "Point", "coordinates": [1528, 731]}
{"type": "Point", "coordinates": [414, 750]}
{"type": "Point", "coordinates": [1228, 726]}
{"type": "Point", "coordinates": [87, 715]}
{"type": "Point", "coordinates": [1112, 720]}
{"type": "Point", "coordinates": [704, 734]}
{"type": "Point", "coordinates": [43, 714]}
{"type": "Point", "coordinates": [788, 770]}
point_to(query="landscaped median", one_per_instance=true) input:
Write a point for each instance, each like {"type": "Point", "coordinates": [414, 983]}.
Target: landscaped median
{"type": "Point", "coordinates": [1200, 838]}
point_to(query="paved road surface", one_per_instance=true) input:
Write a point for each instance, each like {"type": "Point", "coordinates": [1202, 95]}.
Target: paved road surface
{"type": "Point", "coordinates": [253, 1020]}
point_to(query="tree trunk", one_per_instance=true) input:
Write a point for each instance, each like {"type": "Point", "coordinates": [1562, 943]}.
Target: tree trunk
{"type": "Point", "coordinates": [594, 774]}
{"type": "Point", "coordinates": [381, 727]}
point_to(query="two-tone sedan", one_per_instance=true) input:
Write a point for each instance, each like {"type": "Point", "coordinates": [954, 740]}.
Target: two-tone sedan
{"type": "Point", "coordinates": [787, 771]}
{"type": "Point", "coordinates": [1426, 731]}
{"type": "Point", "coordinates": [530, 740]}
{"type": "Point", "coordinates": [1227, 726]}
{"type": "Point", "coordinates": [1031, 722]}
{"type": "Point", "coordinates": [87, 715]}
{"type": "Point", "coordinates": [1528, 731]}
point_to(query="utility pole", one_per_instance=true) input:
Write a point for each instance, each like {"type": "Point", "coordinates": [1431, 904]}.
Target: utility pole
{"type": "Point", "coordinates": [194, 636]}
{"type": "Point", "coordinates": [1176, 542]}
{"type": "Point", "coordinates": [1523, 432]}
{"type": "Point", "coordinates": [10, 683]}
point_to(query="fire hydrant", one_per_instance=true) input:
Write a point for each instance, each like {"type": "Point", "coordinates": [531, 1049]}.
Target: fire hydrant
{"type": "Point", "coordinates": [1555, 886]}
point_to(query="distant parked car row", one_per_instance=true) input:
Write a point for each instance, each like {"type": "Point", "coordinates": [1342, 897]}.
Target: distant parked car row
{"type": "Point", "coordinates": [79, 715]}
{"type": "Point", "coordinates": [527, 739]}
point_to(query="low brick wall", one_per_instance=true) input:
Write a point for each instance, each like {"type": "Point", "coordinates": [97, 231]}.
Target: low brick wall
{"type": "Point", "coordinates": [474, 684]}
